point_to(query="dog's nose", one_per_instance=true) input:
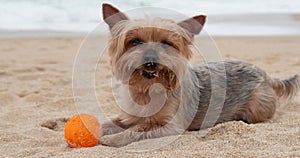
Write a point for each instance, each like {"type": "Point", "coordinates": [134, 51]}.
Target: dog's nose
{"type": "Point", "coordinates": [150, 66]}
{"type": "Point", "coordinates": [150, 57]}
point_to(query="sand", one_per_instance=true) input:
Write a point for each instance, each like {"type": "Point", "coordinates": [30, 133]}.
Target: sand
{"type": "Point", "coordinates": [36, 99]}
{"type": "Point", "coordinates": [296, 17]}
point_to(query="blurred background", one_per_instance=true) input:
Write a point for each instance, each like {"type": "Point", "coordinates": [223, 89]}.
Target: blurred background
{"type": "Point", "coordinates": [225, 17]}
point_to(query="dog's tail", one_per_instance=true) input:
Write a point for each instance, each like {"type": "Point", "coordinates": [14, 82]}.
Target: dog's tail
{"type": "Point", "coordinates": [288, 88]}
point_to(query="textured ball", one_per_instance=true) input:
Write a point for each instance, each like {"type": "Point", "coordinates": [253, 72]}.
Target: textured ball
{"type": "Point", "coordinates": [82, 130]}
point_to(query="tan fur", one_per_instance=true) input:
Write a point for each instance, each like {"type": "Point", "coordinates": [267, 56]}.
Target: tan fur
{"type": "Point", "coordinates": [261, 105]}
{"type": "Point", "coordinates": [288, 88]}
{"type": "Point", "coordinates": [153, 30]}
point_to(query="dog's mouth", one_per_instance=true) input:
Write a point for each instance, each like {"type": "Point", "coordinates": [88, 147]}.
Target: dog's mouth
{"type": "Point", "coordinates": [150, 70]}
{"type": "Point", "coordinates": [149, 73]}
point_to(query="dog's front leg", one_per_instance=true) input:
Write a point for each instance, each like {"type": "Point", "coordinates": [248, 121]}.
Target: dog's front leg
{"type": "Point", "coordinates": [136, 133]}
{"type": "Point", "coordinates": [112, 127]}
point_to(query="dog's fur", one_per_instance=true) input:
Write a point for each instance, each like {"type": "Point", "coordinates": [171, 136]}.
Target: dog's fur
{"type": "Point", "coordinates": [251, 95]}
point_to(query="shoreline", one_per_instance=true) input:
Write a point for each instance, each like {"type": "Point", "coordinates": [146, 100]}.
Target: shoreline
{"type": "Point", "coordinates": [217, 25]}
{"type": "Point", "coordinates": [64, 34]}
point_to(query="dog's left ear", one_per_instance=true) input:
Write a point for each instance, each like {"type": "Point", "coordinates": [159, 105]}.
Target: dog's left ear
{"type": "Point", "coordinates": [112, 15]}
{"type": "Point", "coordinates": [194, 25]}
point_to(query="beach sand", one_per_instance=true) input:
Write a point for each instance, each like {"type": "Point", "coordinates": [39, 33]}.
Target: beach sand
{"type": "Point", "coordinates": [36, 99]}
{"type": "Point", "coordinates": [296, 17]}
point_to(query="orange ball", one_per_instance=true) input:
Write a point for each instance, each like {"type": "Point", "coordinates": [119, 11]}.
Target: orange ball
{"type": "Point", "coordinates": [82, 130]}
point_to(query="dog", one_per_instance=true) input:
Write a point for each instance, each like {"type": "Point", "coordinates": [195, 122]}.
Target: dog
{"type": "Point", "coordinates": [151, 58]}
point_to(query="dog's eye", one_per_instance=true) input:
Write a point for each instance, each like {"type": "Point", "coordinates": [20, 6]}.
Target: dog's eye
{"type": "Point", "coordinates": [135, 42]}
{"type": "Point", "coordinates": [166, 43]}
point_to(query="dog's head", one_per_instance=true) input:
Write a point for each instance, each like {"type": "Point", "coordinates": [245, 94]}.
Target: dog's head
{"type": "Point", "coordinates": [148, 51]}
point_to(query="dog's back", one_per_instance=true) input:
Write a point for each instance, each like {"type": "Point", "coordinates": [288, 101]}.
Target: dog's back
{"type": "Point", "coordinates": [251, 95]}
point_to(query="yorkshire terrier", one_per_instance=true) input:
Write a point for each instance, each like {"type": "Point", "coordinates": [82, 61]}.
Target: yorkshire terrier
{"type": "Point", "coordinates": [166, 95]}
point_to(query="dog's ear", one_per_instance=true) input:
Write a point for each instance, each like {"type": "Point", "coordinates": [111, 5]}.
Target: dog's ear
{"type": "Point", "coordinates": [194, 25]}
{"type": "Point", "coordinates": [112, 15]}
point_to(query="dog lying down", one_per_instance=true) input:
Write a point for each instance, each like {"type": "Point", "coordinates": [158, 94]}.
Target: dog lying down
{"type": "Point", "coordinates": [165, 95]}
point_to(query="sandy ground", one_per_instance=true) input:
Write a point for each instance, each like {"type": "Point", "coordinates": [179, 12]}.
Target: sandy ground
{"type": "Point", "coordinates": [296, 16]}
{"type": "Point", "coordinates": [36, 100]}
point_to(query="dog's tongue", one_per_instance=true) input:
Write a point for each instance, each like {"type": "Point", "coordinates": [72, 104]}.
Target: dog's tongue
{"type": "Point", "coordinates": [149, 71]}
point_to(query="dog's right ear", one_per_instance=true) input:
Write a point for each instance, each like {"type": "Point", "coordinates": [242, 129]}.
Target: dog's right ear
{"type": "Point", "coordinates": [112, 15]}
{"type": "Point", "coordinates": [194, 25]}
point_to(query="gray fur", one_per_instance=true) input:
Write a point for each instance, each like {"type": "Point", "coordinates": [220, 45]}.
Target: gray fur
{"type": "Point", "coordinates": [241, 81]}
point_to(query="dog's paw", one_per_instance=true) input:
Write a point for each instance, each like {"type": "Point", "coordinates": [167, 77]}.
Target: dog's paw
{"type": "Point", "coordinates": [108, 130]}
{"type": "Point", "coordinates": [109, 141]}
{"type": "Point", "coordinates": [114, 141]}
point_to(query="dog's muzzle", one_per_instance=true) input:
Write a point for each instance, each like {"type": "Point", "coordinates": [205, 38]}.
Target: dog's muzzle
{"type": "Point", "coordinates": [150, 59]}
